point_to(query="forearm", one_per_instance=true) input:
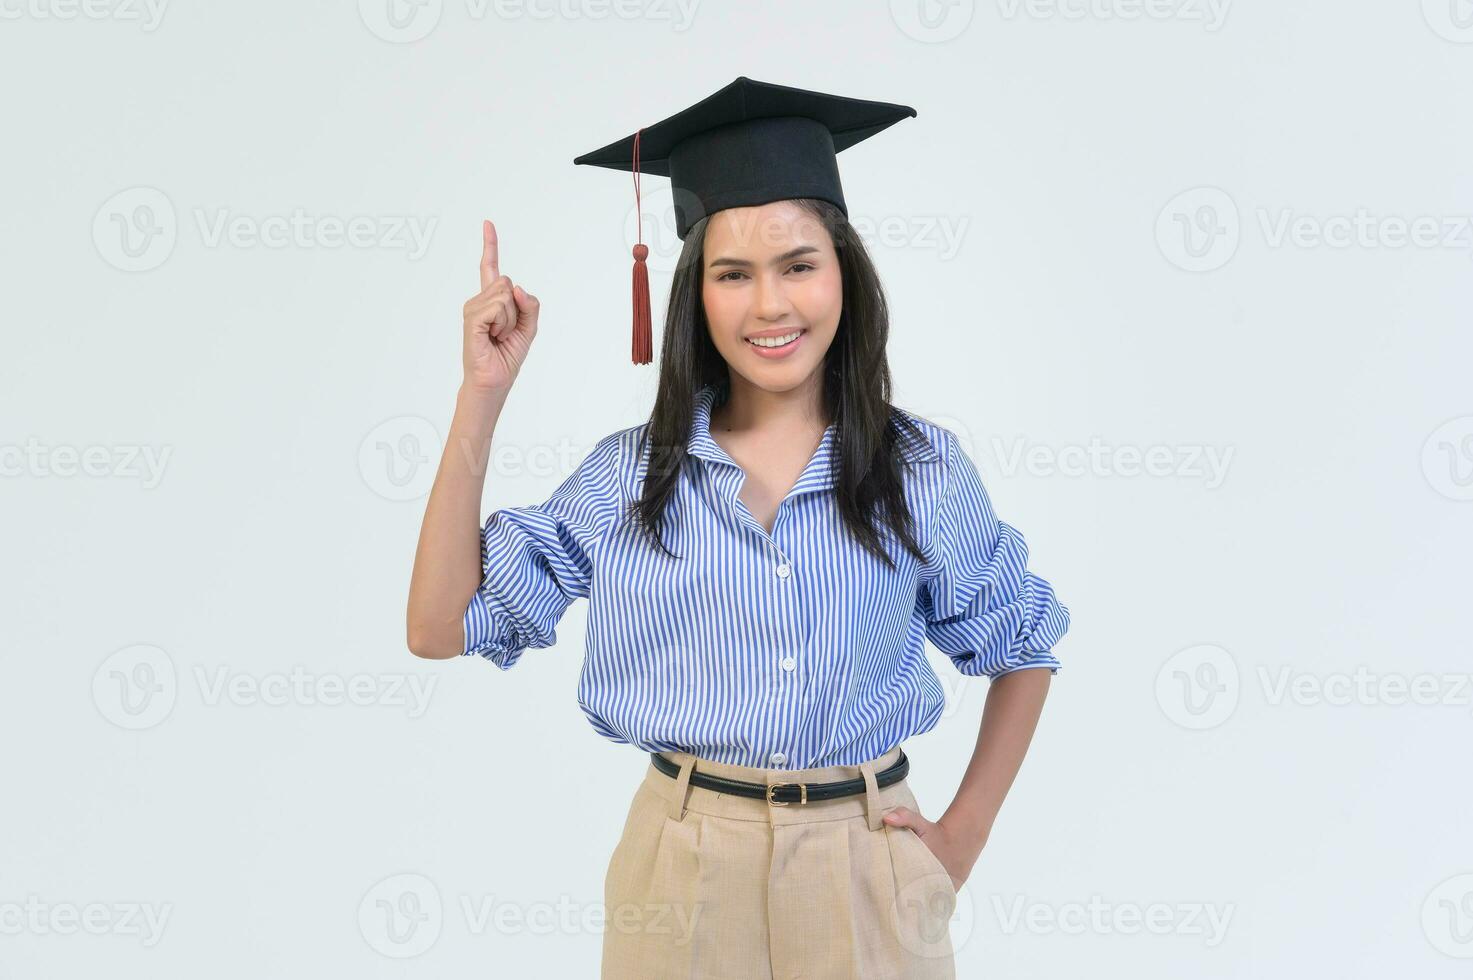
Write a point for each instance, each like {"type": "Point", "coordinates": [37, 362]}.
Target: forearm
{"type": "Point", "coordinates": [1009, 718]}
{"type": "Point", "coordinates": [447, 561]}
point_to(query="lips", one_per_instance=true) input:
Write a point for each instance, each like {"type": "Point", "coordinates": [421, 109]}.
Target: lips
{"type": "Point", "coordinates": [776, 340]}
{"type": "Point", "coordinates": [776, 345]}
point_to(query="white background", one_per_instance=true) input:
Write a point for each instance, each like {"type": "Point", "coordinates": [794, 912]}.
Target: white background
{"type": "Point", "coordinates": [1237, 233]}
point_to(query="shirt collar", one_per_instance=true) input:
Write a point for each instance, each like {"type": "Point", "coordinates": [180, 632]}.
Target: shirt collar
{"type": "Point", "coordinates": [815, 476]}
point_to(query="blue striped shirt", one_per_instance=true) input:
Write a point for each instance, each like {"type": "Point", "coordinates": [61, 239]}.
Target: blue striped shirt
{"type": "Point", "coordinates": [788, 650]}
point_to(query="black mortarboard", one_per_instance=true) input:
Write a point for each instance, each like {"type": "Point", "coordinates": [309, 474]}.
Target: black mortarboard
{"type": "Point", "coordinates": [746, 144]}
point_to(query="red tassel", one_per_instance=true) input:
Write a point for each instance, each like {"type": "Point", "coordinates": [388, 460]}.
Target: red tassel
{"type": "Point", "coordinates": [643, 348]}
{"type": "Point", "coordinates": [643, 344]}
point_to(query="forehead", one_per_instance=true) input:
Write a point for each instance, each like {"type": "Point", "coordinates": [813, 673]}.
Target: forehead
{"type": "Point", "coordinates": [774, 227]}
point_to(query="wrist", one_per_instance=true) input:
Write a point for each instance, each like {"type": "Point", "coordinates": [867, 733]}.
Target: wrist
{"type": "Point", "coordinates": [473, 425]}
{"type": "Point", "coordinates": [970, 827]}
{"type": "Point", "coordinates": [479, 395]}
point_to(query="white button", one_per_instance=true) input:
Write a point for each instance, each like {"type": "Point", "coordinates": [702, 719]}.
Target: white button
{"type": "Point", "coordinates": [783, 570]}
{"type": "Point", "coordinates": [778, 758]}
{"type": "Point", "coordinates": [789, 663]}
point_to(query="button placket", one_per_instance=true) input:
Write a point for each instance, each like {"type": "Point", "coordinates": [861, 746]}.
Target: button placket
{"type": "Point", "coordinates": [781, 566]}
{"type": "Point", "coordinates": [783, 569]}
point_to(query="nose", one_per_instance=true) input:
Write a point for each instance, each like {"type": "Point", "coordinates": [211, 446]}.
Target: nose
{"type": "Point", "coordinates": [771, 300]}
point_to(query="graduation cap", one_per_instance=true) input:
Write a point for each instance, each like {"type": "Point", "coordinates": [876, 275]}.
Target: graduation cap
{"type": "Point", "coordinates": [746, 144]}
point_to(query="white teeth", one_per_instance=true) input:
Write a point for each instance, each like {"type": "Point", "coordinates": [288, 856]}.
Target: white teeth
{"type": "Point", "coordinates": [773, 341]}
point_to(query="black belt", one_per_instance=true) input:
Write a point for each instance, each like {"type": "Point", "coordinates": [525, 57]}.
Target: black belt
{"type": "Point", "coordinates": [781, 794]}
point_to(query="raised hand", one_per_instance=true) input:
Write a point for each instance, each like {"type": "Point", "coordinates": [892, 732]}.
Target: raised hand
{"type": "Point", "coordinates": [500, 322]}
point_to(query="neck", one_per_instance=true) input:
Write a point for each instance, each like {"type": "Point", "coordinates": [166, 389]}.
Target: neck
{"type": "Point", "coordinates": [749, 408]}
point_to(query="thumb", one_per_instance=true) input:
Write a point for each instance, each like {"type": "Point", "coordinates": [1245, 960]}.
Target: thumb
{"type": "Point", "coordinates": [903, 817]}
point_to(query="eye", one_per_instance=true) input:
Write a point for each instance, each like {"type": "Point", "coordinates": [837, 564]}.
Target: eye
{"type": "Point", "coordinates": [722, 278]}
{"type": "Point", "coordinates": [800, 265]}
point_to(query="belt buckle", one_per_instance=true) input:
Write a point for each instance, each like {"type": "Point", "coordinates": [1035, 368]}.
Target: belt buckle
{"type": "Point", "coordinates": [802, 793]}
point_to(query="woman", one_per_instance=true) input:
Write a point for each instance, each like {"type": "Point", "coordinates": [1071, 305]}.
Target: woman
{"type": "Point", "coordinates": [764, 559]}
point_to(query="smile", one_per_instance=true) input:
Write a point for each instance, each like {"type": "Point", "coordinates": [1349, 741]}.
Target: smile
{"type": "Point", "coordinates": [776, 346]}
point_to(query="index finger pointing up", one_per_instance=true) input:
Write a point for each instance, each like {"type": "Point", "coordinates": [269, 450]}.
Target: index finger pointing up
{"type": "Point", "coordinates": [490, 262]}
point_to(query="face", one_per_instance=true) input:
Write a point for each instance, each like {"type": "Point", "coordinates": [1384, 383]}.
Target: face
{"type": "Point", "coordinates": [771, 276]}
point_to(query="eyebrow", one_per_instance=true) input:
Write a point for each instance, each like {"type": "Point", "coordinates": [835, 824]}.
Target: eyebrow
{"type": "Point", "coordinates": [790, 254]}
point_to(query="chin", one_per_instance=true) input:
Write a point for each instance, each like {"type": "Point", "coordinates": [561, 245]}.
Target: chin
{"type": "Point", "coordinates": [777, 378]}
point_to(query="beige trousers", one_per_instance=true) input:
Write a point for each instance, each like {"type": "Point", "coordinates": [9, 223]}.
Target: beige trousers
{"type": "Point", "coordinates": [715, 886]}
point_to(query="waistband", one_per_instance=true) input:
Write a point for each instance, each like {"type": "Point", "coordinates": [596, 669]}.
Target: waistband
{"type": "Point", "coordinates": [872, 804]}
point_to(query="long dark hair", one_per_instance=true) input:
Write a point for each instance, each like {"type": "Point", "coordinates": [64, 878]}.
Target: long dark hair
{"type": "Point", "coordinates": [871, 435]}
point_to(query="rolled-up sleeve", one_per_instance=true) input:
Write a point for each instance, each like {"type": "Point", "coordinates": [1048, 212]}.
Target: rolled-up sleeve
{"type": "Point", "coordinates": [536, 559]}
{"type": "Point", "coordinates": [983, 608]}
